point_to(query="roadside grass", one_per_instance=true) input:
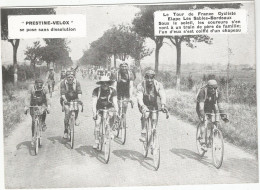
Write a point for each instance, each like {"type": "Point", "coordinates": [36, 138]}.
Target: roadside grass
{"type": "Point", "coordinates": [13, 110]}
{"type": "Point", "coordinates": [240, 131]}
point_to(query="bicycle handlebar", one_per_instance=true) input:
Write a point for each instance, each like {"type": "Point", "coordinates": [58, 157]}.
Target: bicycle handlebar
{"type": "Point", "coordinates": [160, 110]}
{"type": "Point", "coordinates": [77, 101]}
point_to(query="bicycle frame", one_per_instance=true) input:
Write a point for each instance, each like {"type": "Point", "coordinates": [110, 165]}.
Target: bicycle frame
{"type": "Point", "coordinates": [73, 107]}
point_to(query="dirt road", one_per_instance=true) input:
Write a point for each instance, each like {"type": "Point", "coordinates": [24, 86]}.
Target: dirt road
{"type": "Point", "coordinates": [57, 165]}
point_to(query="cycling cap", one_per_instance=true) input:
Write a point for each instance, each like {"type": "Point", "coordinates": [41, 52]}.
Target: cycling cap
{"type": "Point", "coordinates": [68, 73]}
{"type": "Point", "coordinates": [212, 83]}
{"type": "Point", "coordinates": [123, 64]}
{"type": "Point", "coordinates": [150, 72]}
{"type": "Point", "coordinates": [38, 81]}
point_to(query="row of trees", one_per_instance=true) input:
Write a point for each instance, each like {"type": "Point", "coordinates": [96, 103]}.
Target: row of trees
{"type": "Point", "coordinates": [119, 42]}
{"type": "Point", "coordinates": [56, 51]}
{"type": "Point", "coordinates": [143, 25]}
{"type": "Point", "coordinates": [4, 28]}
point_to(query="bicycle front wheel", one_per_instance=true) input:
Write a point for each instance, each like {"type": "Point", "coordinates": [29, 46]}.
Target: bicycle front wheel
{"type": "Point", "coordinates": [72, 124]}
{"type": "Point", "coordinates": [145, 143]}
{"type": "Point", "coordinates": [156, 151]}
{"type": "Point", "coordinates": [123, 131]}
{"type": "Point", "coordinates": [107, 144]}
{"type": "Point", "coordinates": [217, 148]}
{"type": "Point", "coordinates": [199, 137]}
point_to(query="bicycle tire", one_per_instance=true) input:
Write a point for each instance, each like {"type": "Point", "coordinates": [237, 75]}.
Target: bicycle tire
{"type": "Point", "coordinates": [107, 144]}
{"type": "Point", "coordinates": [217, 134]}
{"type": "Point", "coordinates": [201, 152]}
{"type": "Point", "coordinates": [145, 144]}
{"type": "Point", "coordinates": [72, 124]}
{"type": "Point", "coordinates": [101, 136]}
{"type": "Point", "coordinates": [123, 131]}
{"type": "Point", "coordinates": [156, 150]}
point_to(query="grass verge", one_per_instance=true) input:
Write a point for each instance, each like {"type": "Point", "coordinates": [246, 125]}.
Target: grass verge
{"type": "Point", "coordinates": [240, 131]}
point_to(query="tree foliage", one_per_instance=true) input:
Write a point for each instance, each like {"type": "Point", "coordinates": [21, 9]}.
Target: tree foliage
{"type": "Point", "coordinates": [120, 42]}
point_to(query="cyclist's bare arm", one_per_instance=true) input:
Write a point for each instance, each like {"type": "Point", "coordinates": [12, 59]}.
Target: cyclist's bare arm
{"type": "Point", "coordinates": [115, 103]}
{"type": "Point", "coordinates": [162, 94]}
{"type": "Point", "coordinates": [139, 95]}
{"type": "Point", "coordinates": [94, 104]}
{"type": "Point", "coordinates": [131, 89]}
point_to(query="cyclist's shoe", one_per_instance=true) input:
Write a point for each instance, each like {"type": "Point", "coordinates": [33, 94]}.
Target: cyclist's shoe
{"type": "Point", "coordinates": [32, 142]}
{"type": "Point", "coordinates": [77, 122]}
{"type": "Point", "coordinates": [142, 138]}
{"type": "Point", "coordinates": [204, 147]}
{"type": "Point", "coordinates": [95, 146]}
{"type": "Point", "coordinates": [44, 127]}
{"type": "Point", "coordinates": [65, 135]}
{"type": "Point", "coordinates": [143, 135]}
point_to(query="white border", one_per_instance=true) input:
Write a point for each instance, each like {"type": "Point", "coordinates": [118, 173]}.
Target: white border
{"type": "Point", "coordinates": [16, 3]}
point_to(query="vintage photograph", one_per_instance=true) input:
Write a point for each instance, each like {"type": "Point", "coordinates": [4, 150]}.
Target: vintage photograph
{"type": "Point", "coordinates": [131, 101]}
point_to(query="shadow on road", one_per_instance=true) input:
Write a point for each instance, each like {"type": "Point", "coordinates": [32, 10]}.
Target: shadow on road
{"type": "Point", "coordinates": [60, 140]}
{"type": "Point", "coordinates": [184, 153]}
{"type": "Point", "coordinates": [28, 145]}
{"type": "Point", "coordinates": [88, 150]}
{"type": "Point", "coordinates": [135, 156]}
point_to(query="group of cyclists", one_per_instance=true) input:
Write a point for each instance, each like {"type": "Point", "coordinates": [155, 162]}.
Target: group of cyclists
{"type": "Point", "coordinates": [117, 85]}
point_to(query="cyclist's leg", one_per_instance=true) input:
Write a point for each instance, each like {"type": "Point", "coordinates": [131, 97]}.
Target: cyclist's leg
{"type": "Point", "coordinates": [43, 121]}
{"type": "Point", "coordinates": [76, 117]}
{"type": "Point", "coordinates": [96, 131]}
{"type": "Point", "coordinates": [66, 120]}
{"type": "Point", "coordinates": [53, 84]}
{"type": "Point", "coordinates": [144, 119]}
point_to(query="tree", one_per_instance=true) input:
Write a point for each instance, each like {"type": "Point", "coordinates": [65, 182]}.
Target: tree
{"type": "Point", "coordinates": [33, 54]}
{"type": "Point", "coordinates": [144, 26]}
{"type": "Point", "coordinates": [56, 50]}
{"type": "Point", "coordinates": [4, 28]}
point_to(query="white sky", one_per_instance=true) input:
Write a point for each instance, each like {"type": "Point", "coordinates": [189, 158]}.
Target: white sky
{"type": "Point", "coordinates": [101, 18]}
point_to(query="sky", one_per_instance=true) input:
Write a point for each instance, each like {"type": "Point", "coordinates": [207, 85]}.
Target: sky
{"type": "Point", "coordinates": [101, 18]}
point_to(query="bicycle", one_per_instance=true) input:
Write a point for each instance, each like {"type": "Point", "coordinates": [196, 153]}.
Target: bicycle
{"type": "Point", "coordinates": [121, 127]}
{"type": "Point", "coordinates": [73, 107]}
{"type": "Point", "coordinates": [213, 138]}
{"type": "Point", "coordinates": [152, 137]}
{"type": "Point", "coordinates": [105, 133]}
{"type": "Point", "coordinates": [50, 86]}
{"type": "Point", "coordinates": [38, 112]}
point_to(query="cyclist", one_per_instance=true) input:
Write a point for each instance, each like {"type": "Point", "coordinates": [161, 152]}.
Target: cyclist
{"type": "Point", "coordinates": [148, 92]}
{"type": "Point", "coordinates": [70, 89]}
{"type": "Point", "coordinates": [62, 75]}
{"type": "Point", "coordinates": [38, 97]}
{"type": "Point", "coordinates": [209, 99]}
{"type": "Point", "coordinates": [124, 84]}
{"type": "Point", "coordinates": [50, 78]}
{"type": "Point", "coordinates": [103, 96]}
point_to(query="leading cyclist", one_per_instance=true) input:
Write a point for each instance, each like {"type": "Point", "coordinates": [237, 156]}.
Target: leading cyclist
{"type": "Point", "coordinates": [148, 92]}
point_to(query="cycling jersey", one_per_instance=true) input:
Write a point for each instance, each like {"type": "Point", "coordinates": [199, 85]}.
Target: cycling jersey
{"type": "Point", "coordinates": [70, 91]}
{"type": "Point", "coordinates": [105, 97]}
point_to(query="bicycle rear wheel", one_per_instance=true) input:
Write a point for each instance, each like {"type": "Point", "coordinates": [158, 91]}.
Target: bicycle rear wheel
{"type": "Point", "coordinates": [145, 143]}
{"type": "Point", "coordinates": [217, 148]}
{"type": "Point", "coordinates": [107, 144]}
{"type": "Point", "coordinates": [156, 150]}
{"type": "Point", "coordinates": [201, 151]}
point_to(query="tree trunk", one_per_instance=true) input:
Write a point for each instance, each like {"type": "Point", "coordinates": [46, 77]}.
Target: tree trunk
{"type": "Point", "coordinates": [156, 67]}
{"type": "Point", "coordinates": [178, 70]}
{"type": "Point", "coordinates": [15, 44]}
{"type": "Point", "coordinates": [114, 60]}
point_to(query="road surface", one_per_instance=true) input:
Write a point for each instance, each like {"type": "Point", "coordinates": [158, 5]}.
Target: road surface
{"type": "Point", "coordinates": [57, 165]}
